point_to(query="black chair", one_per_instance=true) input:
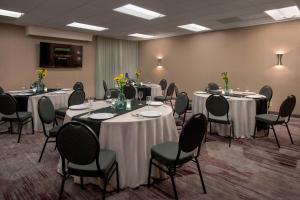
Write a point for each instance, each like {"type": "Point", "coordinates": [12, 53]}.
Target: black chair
{"type": "Point", "coordinates": [78, 86]}
{"type": "Point", "coordinates": [1, 90]}
{"type": "Point", "coordinates": [212, 86]}
{"type": "Point", "coordinates": [81, 155]}
{"type": "Point", "coordinates": [217, 108]}
{"type": "Point", "coordinates": [268, 92]}
{"type": "Point", "coordinates": [47, 116]}
{"type": "Point", "coordinates": [114, 93]}
{"type": "Point", "coordinates": [163, 84]}
{"type": "Point", "coordinates": [77, 97]}
{"type": "Point", "coordinates": [104, 86]}
{"type": "Point", "coordinates": [169, 95]}
{"type": "Point", "coordinates": [180, 108]}
{"type": "Point", "coordinates": [171, 155]}
{"type": "Point", "coordinates": [283, 117]}
{"type": "Point", "coordinates": [129, 91]}
{"type": "Point", "coordinates": [9, 109]}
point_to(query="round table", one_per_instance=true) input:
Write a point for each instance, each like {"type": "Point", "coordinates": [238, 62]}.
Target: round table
{"type": "Point", "coordinates": [242, 111]}
{"type": "Point", "coordinates": [131, 138]}
{"type": "Point", "coordinates": [155, 89]}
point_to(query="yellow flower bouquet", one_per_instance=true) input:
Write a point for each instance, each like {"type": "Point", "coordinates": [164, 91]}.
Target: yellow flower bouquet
{"type": "Point", "coordinates": [41, 73]}
{"type": "Point", "coordinates": [121, 80]}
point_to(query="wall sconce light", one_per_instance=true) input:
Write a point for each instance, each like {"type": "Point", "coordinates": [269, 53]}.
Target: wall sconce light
{"type": "Point", "coordinates": [279, 55]}
{"type": "Point", "coordinates": [159, 63]}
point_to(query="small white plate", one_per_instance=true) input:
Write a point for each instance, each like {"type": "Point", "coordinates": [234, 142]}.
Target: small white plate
{"type": "Point", "coordinates": [256, 96]}
{"type": "Point", "coordinates": [79, 107]}
{"type": "Point", "coordinates": [16, 91]}
{"type": "Point", "coordinates": [66, 89]}
{"type": "Point", "coordinates": [99, 116]}
{"type": "Point", "coordinates": [150, 114]}
{"type": "Point", "coordinates": [156, 103]}
{"type": "Point", "coordinates": [60, 92]}
{"type": "Point", "coordinates": [248, 93]}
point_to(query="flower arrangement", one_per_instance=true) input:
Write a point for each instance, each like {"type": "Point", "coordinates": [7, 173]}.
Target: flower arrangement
{"type": "Point", "coordinates": [121, 80]}
{"type": "Point", "coordinates": [41, 73]}
{"type": "Point", "coordinates": [138, 73]}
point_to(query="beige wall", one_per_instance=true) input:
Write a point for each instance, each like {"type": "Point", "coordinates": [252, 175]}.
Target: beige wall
{"type": "Point", "coordinates": [19, 59]}
{"type": "Point", "coordinates": [248, 55]}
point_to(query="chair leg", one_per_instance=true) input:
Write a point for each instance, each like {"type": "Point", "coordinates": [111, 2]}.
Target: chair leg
{"type": "Point", "coordinates": [287, 127]}
{"type": "Point", "coordinates": [254, 133]}
{"type": "Point", "coordinates": [173, 183]}
{"type": "Point", "coordinates": [201, 177]}
{"type": "Point", "coordinates": [117, 177]}
{"type": "Point", "coordinates": [275, 136]}
{"type": "Point", "coordinates": [230, 130]}
{"type": "Point", "coordinates": [62, 187]}
{"type": "Point", "coordinates": [20, 125]}
{"type": "Point", "coordinates": [149, 173]}
{"type": "Point", "coordinates": [11, 127]}
{"type": "Point", "coordinates": [81, 182]}
{"type": "Point", "coordinates": [46, 141]}
{"type": "Point", "coordinates": [104, 189]}
{"type": "Point", "coordinates": [32, 125]}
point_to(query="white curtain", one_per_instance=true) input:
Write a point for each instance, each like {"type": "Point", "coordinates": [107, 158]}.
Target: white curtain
{"type": "Point", "coordinates": [112, 58]}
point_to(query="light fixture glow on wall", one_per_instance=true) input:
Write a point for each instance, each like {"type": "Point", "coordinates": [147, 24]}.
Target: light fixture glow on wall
{"type": "Point", "coordinates": [159, 63]}
{"type": "Point", "coordinates": [279, 55]}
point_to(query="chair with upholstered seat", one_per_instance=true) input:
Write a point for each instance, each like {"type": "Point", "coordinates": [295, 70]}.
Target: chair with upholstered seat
{"type": "Point", "coordinates": [78, 86]}
{"type": "Point", "coordinates": [9, 110]}
{"type": "Point", "coordinates": [212, 86]}
{"type": "Point", "coordinates": [283, 117]}
{"type": "Point", "coordinates": [217, 108]}
{"type": "Point", "coordinates": [1, 90]}
{"type": "Point", "coordinates": [168, 96]}
{"type": "Point", "coordinates": [268, 93]}
{"type": "Point", "coordinates": [129, 91]}
{"type": "Point", "coordinates": [163, 84]}
{"type": "Point", "coordinates": [77, 97]}
{"type": "Point", "coordinates": [46, 113]}
{"type": "Point", "coordinates": [171, 155]}
{"type": "Point", "coordinates": [82, 156]}
{"type": "Point", "coordinates": [180, 108]}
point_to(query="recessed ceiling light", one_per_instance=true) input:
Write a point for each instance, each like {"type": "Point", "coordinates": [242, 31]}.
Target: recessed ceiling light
{"type": "Point", "coordinates": [86, 26]}
{"type": "Point", "coordinates": [137, 11]}
{"type": "Point", "coordinates": [141, 35]}
{"type": "Point", "coordinates": [284, 13]}
{"type": "Point", "coordinates": [194, 27]}
{"type": "Point", "coordinates": [9, 13]}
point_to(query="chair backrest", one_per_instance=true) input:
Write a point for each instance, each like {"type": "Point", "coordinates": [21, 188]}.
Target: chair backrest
{"type": "Point", "coordinates": [78, 86]}
{"type": "Point", "coordinates": [287, 106]}
{"type": "Point", "coordinates": [212, 86]}
{"type": "Point", "coordinates": [182, 103]}
{"type": "Point", "coordinates": [114, 93]}
{"type": "Point", "coordinates": [1, 90]}
{"type": "Point", "coordinates": [217, 105]}
{"type": "Point", "coordinates": [267, 91]}
{"type": "Point", "coordinates": [8, 104]}
{"type": "Point", "coordinates": [129, 91]}
{"type": "Point", "coordinates": [163, 84]}
{"type": "Point", "coordinates": [170, 90]}
{"type": "Point", "coordinates": [46, 110]}
{"type": "Point", "coordinates": [78, 144]}
{"type": "Point", "coordinates": [77, 97]}
{"type": "Point", "coordinates": [104, 85]}
{"type": "Point", "coordinates": [192, 134]}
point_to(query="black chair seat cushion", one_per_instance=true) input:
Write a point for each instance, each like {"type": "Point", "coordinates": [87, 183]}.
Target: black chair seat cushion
{"type": "Point", "coordinates": [166, 153]}
{"type": "Point", "coordinates": [159, 98]}
{"type": "Point", "coordinates": [219, 119]}
{"type": "Point", "coordinates": [53, 132]}
{"type": "Point", "coordinates": [106, 159]}
{"type": "Point", "coordinates": [61, 112]}
{"type": "Point", "coordinates": [23, 116]}
{"type": "Point", "coordinates": [269, 118]}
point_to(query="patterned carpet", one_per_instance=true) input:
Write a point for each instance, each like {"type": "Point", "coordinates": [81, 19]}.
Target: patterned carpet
{"type": "Point", "coordinates": [250, 169]}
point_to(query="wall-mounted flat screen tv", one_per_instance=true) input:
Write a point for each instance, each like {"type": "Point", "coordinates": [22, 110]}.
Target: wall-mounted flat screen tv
{"type": "Point", "coordinates": [54, 55]}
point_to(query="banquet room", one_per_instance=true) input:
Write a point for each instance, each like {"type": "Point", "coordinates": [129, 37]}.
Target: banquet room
{"type": "Point", "coordinates": [138, 99]}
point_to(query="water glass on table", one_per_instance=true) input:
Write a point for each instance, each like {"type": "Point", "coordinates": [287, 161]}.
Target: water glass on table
{"type": "Point", "coordinates": [140, 96]}
{"type": "Point", "coordinates": [108, 94]}
{"type": "Point", "coordinates": [148, 100]}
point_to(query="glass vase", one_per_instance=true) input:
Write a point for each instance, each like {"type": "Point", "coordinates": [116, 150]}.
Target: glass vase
{"type": "Point", "coordinates": [120, 104]}
{"type": "Point", "coordinates": [226, 89]}
{"type": "Point", "coordinates": [39, 86]}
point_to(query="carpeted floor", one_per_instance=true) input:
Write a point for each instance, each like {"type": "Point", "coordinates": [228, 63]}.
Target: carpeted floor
{"type": "Point", "coordinates": [250, 169]}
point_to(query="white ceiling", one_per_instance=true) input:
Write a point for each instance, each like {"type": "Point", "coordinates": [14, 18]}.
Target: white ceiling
{"type": "Point", "coordinates": [215, 14]}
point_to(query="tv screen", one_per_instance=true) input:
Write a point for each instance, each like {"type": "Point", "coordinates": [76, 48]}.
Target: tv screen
{"type": "Point", "coordinates": [54, 55]}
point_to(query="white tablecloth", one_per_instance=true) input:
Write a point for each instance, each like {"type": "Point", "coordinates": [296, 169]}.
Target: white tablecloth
{"type": "Point", "coordinates": [241, 110]}
{"type": "Point", "coordinates": [155, 89]}
{"type": "Point", "coordinates": [58, 100]}
{"type": "Point", "coordinates": [132, 138]}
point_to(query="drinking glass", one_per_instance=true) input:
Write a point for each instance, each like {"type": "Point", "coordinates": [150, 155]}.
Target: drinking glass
{"type": "Point", "coordinates": [108, 94]}
{"type": "Point", "coordinates": [148, 101]}
{"type": "Point", "coordinates": [23, 86]}
{"type": "Point", "coordinates": [90, 101]}
{"type": "Point", "coordinates": [140, 96]}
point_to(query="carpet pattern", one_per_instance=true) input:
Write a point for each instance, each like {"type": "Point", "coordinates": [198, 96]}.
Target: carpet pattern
{"type": "Point", "coordinates": [250, 169]}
